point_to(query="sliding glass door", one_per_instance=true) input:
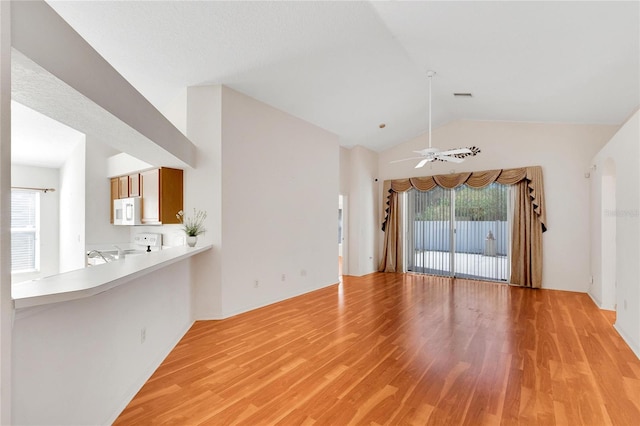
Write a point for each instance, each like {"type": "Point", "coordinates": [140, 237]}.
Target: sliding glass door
{"type": "Point", "coordinates": [462, 232]}
{"type": "Point", "coordinates": [429, 232]}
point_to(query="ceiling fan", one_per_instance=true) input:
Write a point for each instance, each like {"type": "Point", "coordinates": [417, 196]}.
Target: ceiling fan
{"type": "Point", "coordinates": [434, 154]}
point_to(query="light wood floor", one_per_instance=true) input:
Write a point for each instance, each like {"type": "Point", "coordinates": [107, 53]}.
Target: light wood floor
{"type": "Point", "coordinates": [400, 349]}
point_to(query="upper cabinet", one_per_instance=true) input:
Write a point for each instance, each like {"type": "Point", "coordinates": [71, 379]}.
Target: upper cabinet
{"type": "Point", "coordinates": [134, 185]}
{"type": "Point", "coordinates": [123, 186]}
{"type": "Point", "coordinates": [162, 195]}
{"type": "Point", "coordinates": [161, 191]}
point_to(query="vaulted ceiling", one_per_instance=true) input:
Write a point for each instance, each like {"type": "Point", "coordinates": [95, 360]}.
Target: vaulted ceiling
{"type": "Point", "coordinates": [350, 66]}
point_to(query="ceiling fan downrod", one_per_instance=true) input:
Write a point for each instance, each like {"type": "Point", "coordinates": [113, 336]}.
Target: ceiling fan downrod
{"type": "Point", "coordinates": [430, 74]}
{"type": "Point", "coordinates": [430, 154]}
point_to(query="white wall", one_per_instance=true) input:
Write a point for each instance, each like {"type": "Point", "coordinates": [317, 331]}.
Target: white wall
{"type": "Point", "coordinates": [123, 164]}
{"type": "Point", "coordinates": [72, 212]}
{"type": "Point", "coordinates": [280, 181]}
{"type": "Point", "coordinates": [81, 362]}
{"type": "Point", "coordinates": [176, 111]}
{"type": "Point", "coordinates": [603, 234]}
{"type": "Point", "coordinates": [98, 229]}
{"type": "Point", "coordinates": [624, 151]}
{"type": "Point", "coordinates": [363, 211]}
{"type": "Point", "coordinates": [345, 173]}
{"type": "Point", "coordinates": [203, 190]}
{"type": "Point", "coordinates": [269, 203]}
{"type": "Point", "coordinates": [563, 151]}
{"type": "Point", "coordinates": [345, 176]}
{"type": "Point", "coordinates": [6, 304]}
{"type": "Point", "coordinates": [42, 177]}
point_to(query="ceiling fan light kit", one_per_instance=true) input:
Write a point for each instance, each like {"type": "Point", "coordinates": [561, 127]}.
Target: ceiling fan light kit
{"type": "Point", "coordinates": [429, 154]}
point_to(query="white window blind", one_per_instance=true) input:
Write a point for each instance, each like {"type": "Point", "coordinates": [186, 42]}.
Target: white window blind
{"type": "Point", "coordinates": [25, 215]}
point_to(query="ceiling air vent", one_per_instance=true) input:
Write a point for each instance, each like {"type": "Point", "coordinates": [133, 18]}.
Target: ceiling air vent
{"type": "Point", "coordinates": [464, 95]}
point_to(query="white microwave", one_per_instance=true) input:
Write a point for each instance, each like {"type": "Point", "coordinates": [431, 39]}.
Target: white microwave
{"type": "Point", "coordinates": [127, 211]}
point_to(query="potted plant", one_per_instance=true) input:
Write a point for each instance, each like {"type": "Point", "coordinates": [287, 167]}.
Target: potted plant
{"type": "Point", "coordinates": [192, 226]}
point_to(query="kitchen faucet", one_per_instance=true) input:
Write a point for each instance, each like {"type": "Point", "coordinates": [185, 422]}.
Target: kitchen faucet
{"type": "Point", "coordinates": [120, 252]}
{"type": "Point", "coordinates": [94, 252]}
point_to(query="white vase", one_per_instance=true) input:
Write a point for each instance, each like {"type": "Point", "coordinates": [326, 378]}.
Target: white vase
{"type": "Point", "coordinates": [192, 240]}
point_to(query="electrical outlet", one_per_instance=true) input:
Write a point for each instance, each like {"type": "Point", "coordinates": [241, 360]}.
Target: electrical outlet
{"type": "Point", "coordinates": [284, 277]}
{"type": "Point", "coordinates": [256, 284]}
{"type": "Point", "coordinates": [143, 334]}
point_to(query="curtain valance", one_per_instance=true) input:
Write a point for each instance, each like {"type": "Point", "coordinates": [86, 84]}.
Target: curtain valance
{"type": "Point", "coordinates": [529, 220]}
{"type": "Point", "coordinates": [533, 176]}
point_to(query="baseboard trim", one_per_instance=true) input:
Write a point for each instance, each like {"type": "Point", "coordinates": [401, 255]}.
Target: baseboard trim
{"type": "Point", "coordinates": [634, 348]}
{"type": "Point", "coordinates": [247, 308]}
{"type": "Point", "coordinates": [127, 396]}
{"type": "Point", "coordinates": [593, 299]}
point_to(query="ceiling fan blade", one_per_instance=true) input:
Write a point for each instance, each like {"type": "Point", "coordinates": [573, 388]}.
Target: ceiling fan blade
{"type": "Point", "coordinates": [450, 159]}
{"type": "Point", "coordinates": [423, 162]}
{"type": "Point", "coordinates": [456, 151]}
{"type": "Point", "coordinates": [404, 159]}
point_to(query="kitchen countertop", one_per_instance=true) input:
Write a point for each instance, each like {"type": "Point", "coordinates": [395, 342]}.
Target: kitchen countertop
{"type": "Point", "coordinates": [93, 280]}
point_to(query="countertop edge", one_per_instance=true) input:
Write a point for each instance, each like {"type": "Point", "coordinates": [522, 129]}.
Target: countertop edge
{"type": "Point", "coordinates": [97, 279]}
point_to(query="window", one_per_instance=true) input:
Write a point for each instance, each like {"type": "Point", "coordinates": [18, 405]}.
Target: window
{"type": "Point", "coordinates": [25, 230]}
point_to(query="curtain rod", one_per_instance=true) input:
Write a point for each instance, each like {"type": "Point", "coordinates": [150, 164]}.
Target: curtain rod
{"type": "Point", "coordinates": [45, 190]}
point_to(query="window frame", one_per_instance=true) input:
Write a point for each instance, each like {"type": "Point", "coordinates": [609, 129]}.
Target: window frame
{"type": "Point", "coordinates": [34, 229]}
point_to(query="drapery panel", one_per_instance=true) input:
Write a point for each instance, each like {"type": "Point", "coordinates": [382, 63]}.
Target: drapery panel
{"type": "Point", "coordinates": [529, 222]}
{"type": "Point", "coordinates": [392, 249]}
